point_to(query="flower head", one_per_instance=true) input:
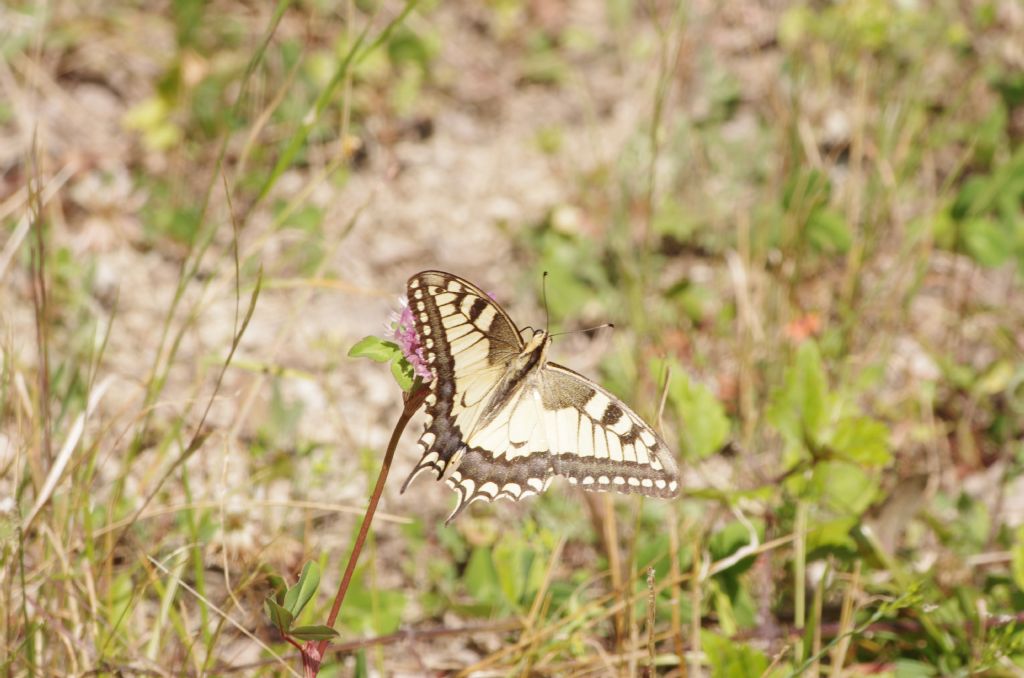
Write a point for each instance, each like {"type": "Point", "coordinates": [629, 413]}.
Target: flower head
{"type": "Point", "coordinates": [402, 329]}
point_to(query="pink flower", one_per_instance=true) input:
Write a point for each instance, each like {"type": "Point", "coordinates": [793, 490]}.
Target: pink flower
{"type": "Point", "coordinates": [402, 329]}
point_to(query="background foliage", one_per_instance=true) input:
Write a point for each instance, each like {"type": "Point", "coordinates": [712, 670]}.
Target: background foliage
{"type": "Point", "coordinates": [805, 219]}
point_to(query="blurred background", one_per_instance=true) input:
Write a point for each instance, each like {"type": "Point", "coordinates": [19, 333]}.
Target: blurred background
{"type": "Point", "coordinates": [806, 221]}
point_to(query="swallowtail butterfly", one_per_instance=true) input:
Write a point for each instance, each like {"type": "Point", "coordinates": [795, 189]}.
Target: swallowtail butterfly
{"type": "Point", "coordinates": [502, 421]}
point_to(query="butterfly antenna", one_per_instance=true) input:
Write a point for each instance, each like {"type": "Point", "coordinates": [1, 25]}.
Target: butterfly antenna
{"type": "Point", "coordinates": [544, 294]}
{"type": "Point", "coordinates": [664, 396]}
{"type": "Point", "coordinates": [588, 329]}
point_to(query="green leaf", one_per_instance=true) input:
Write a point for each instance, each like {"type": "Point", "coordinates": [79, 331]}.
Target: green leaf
{"type": "Point", "coordinates": [376, 349]}
{"type": "Point", "coordinates": [654, 552]}
{"type": "Point", "coordinates": [844, 487]}
{"type": "Point", "coordinates": [800, 409]}
{"type": "Point", "coordinates": [152, 118]}
{"type": "Point", "coordinates": [987, 242]}
{"type": "Point", "coordinates": [406, 46]}
{"type": "Point", "coordinates": [729, 659]}
{"type": "Point", "coordinates": [279, 616]}
{"type": "Point", "coordinates": [694, 300]}
{"type": "Point", "coordinates": [732, 538]}
{"type": "Point", "coordinates": [300, 594]}
{"type": "Point", "coordinates": [544, 67]}
{"type": "Point", "coordinates": [481, 578]}
{"type": "Point", "coordinates": [511, 558]}
{"type": "Point", "coordinates": [995, 379]}
{"type": "Point", "coordinates": [279, 586]}
{"type": "Point", "coordinates": [575, 270]}
{"type": "Point", "coordinates": [371, 611]}
{"type": "Point", "coordinates": [911, 668]}
{"type": "Point", "coordinates": [794, 25]}
{"type": "Point", "coordinates": [974, 198]}
{"type": "Point", "coordinates": [672, 219]}
{"type": "Point", "coordinates": [382, 351]}
{"type": "Point", "coordinates": [362, 669]}
{"type": "Point", "coordinates": [403, 373]}
{"type": "Point", "coordinates": [704, 424]}
{"type": "Point", "coordinates": [1017, 559]}
{"type": "Point", "coordinates": [812, 389]}
{"type": "Point", "coordinates": [827, 231]}
{"type": "Point", "coordinates": [453, 543]}
{"type": "Point", "coordinates": [806, 190]}
{"type": "Point", "coordinates": [318, 632]}
{"type": "Point", "coordinates": [723, 609]}
{"type": "Point", "coordinates": [121, 595]}
{"type": "Point", "coordinates": [388, 607]}
{"type": "Point", "coordinates": [863, 440]}
{"type": "Point", "coordinates": [280, 425]}
{"type": "Point", "coordinates": [973, 523]}
{"type": "Point", "coordinates": [944, 228]}
{"type": "Point", "coordinates": [831, 535]}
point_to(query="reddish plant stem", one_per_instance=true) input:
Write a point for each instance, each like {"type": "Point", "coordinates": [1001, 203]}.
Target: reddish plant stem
{"type": "Point", "coordinates": [313, 652]}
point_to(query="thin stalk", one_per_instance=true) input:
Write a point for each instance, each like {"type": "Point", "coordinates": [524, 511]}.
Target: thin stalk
{"type": "Point", "coordinates": [668, 60]}
{"type": "Point", "coordinates": [694, 668]}
{"type": "Point", "coordinates": [672, 518]}
{"type": "Point", "coordinates": [313, 651]}
{"type": "Point", "coordinates": [818, 603]}
{"type": "Point", "coordinates": [29, 642]}
{"type": "Point", "coordinates": [611, 540]}
{"type": "Point", "coordinates": [651, 611]}
{"type": "Point", "coordinates": [40, 303]}
{"type": "Point", "coordinates": [800, 579]}
{"type": "Point", "coordinates": [800, 567]}
{"type": "Point", "coordinates": [846, 620]}
{"type": "Point", "coordinates": [677, 591]}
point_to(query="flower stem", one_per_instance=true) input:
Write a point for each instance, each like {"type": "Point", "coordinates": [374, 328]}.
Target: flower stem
{"type": "Point", "coordinates": [314, 650]}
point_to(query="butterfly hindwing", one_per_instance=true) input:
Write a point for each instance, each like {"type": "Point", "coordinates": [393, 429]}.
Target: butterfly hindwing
{"type": "Point", "coordinates": [467, 340]}
{"type": "Point", "coordinates": [563, 424]}
{"type": "Point", "coordinates": [600, 444]}
{"type": "Point", "coordinates": [509, 457]}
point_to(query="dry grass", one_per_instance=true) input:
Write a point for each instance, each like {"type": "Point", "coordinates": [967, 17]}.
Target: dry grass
{"type": "Point", "coordinates": [206, 205]}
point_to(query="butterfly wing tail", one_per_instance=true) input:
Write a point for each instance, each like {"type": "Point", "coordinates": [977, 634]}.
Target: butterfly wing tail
{"type": "Point", "coordinates": [429, 461]}
{"type": "Point", "coordinates": [441, 451]}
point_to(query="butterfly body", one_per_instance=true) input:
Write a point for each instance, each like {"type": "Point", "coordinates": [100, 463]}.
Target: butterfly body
{"type": "Point", "coordinates": [502, 421]}
{"type": "Point", "coordinates": [522, 376]}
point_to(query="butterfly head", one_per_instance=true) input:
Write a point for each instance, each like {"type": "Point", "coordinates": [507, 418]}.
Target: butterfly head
{"type": "Point", "coordinates": [539, 341]}
{"type": "Point", "coordinates": [534, 354]}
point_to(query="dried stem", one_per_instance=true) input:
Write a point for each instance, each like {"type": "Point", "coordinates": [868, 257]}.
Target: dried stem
{"type": "Point", "coordinates": [611, 542]}
{"type": "Point", "coordinates": [652, 598]}
{"type": "Point", "coordinates": [694, 668]}
{"type": "Point", "coordinates": [40, 302]}
{"type": "Point", "coordinates": [313, 651]}
{"type": "Point", "coordinates": [674, 574]}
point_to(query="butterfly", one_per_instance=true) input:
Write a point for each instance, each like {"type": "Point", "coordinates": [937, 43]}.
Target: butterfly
{"type": "Point", "coordinates": [502, 421]}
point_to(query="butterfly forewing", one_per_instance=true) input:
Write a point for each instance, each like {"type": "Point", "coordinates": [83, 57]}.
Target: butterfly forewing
{"type": "Point", "coordinates": [501, 421]}
{"type": "Point", "coordinates": [467, 340]}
